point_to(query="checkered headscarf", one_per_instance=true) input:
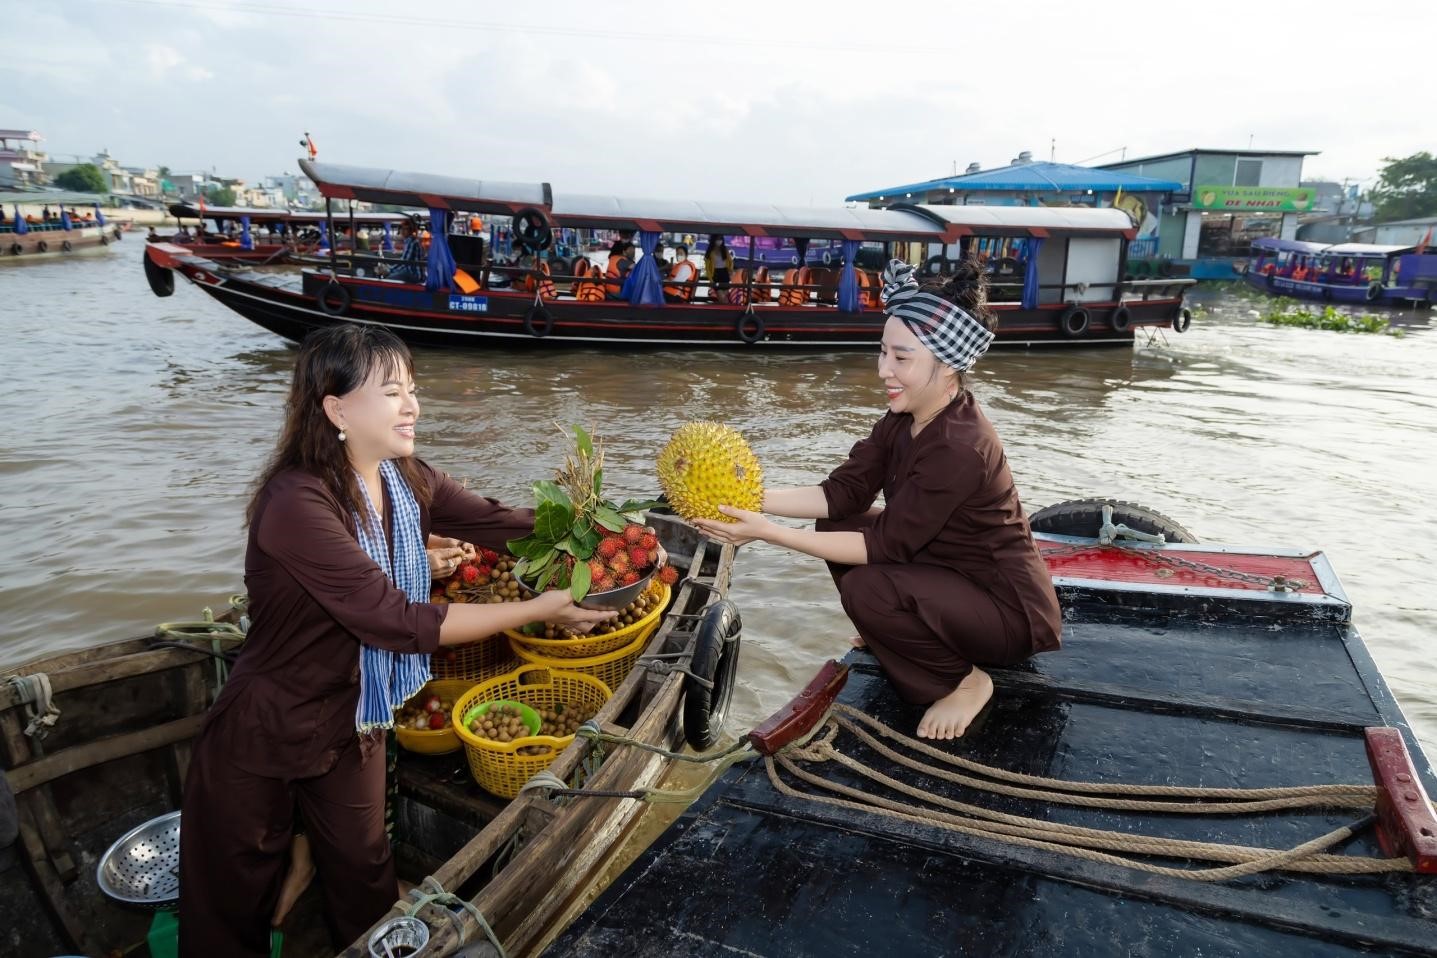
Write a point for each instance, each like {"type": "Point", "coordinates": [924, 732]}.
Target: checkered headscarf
{"type": "Point", "coordinates": [949, 331]}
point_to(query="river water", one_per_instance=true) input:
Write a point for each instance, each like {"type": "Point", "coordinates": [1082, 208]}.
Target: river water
{"type": "Point", "coordinates": [131, 427]}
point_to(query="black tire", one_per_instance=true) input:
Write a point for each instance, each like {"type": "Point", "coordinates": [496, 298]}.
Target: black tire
{"type": "Point", "coordinates": [1084, 517]}
{"type": "Point", "coordinates": [532, 229]}
{"type": "Point", "coordinates": [1121, 320]}
{"type": "Point", "coordinates": [749, 327]}
{"type": "Point", "coordinates": [1074, 321]}
{"type": "Point", "coordinates": [538, 321]}
{"type": "Point", "coordinates": [160, 278]}
{"type": "Point", "coordinates": [1165, 268]}
{"type": "Point", "coordinates": [1326, 294]}
{"type": "Point", "coordinates": [42, 247]}
{"type": "Point", "coordinates": [334, 299]}
{"type": "Point", "coordinates": [1374, 292]}
{"type": "Point", "coordinates": [104, 240]}
{"type": "Point", "coordinates": [1182, 320]}
{"type": "Point", "coordinates": [827, 257]}
{"type": "Point", "coordinates": [16, 249]}
{"type": "Point", "coordinates": [117, 231]}
{"type": "Point", "coordinates": [933, 266]}
{"type": "Point", "coordinates": [579, 263]}
{"type": "Point", "coordinates": [716, 645]}
{"type": "Point", "coordinates": [66, 246]}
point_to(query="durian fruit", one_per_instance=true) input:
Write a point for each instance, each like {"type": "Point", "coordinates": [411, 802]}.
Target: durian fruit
{"type": "Point", "coordinates": [706, 465]}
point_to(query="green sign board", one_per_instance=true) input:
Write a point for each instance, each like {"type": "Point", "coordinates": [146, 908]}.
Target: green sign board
{"type": "Point", "coordinates": [1277, 199]}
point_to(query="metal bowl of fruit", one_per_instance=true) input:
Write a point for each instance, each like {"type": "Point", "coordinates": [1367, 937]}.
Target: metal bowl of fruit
{"type": "Point", "coordinates": [612, 600]}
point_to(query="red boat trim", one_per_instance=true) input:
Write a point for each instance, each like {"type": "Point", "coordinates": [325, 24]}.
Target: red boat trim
{"type": "Point", "coordinates": [1405, 822]}
{"type": "Point", "coordinates": [802, 712]}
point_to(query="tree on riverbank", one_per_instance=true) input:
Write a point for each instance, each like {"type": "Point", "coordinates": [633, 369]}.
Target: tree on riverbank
{"type": "Point", "coordinates": [1406, 188]}
{"type": "Point", "coordinates": [85, 178]}
{"type": "Point", "coordinates": [221, 196]}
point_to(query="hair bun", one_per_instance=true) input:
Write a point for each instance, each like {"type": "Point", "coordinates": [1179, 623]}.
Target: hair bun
{"type": "Point", "coordinates": [966, 286]}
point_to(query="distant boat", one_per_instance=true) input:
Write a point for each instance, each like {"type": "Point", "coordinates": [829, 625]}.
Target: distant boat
{"type": "Point", "coordinates": [230, 233]}
{"type": "Point", "coordinates": [27, 235]}
{"type": "Point", "coordinates": [1067, 289]}
{"type": "Point", "coordinates": [1344, 272]}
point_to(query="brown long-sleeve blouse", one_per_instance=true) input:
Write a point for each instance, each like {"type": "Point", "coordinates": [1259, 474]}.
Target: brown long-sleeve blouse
{"type": "Point", "coordinates": [314, 596]}
{"type": "Point", "coordinates": [950, 501]}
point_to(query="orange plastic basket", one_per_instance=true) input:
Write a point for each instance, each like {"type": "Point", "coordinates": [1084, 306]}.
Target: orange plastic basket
{"type": "Point", "coordinates": [589, 646]}
{"type": "Point", "coordinates": [610, 668]}
{"type": "Point", "coordinates": [497, 766]}
{"type": "Point", "coordinates": [475, 661]}
{"type": "Point", "coordinates": [435, 741]}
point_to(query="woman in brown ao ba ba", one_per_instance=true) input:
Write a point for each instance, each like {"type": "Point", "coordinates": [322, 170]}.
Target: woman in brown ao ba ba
{"type": "Point", "coordinates": [341, 634]}
{"type": "Point", "coordinates": [945, 577]}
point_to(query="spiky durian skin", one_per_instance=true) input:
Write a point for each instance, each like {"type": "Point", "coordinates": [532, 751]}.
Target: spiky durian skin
{"type": "Point", "coordinates": [706, 465]}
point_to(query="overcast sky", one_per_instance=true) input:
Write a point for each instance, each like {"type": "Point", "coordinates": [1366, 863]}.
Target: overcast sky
{"type": "Point", "coordinates": [774, 101]}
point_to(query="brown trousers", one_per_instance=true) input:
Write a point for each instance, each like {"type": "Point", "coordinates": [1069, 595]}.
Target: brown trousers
{"type": "Point", "coordinates": [235, 838]}
{"type": "Point", "coordinates": [927, 625]}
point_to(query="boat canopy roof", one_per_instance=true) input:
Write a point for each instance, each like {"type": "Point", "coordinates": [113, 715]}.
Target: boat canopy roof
{"type": "Point", "coordinates": [373, 185]}
{"type": "Point", "coordinates": [1364, 249]}
{"type": "Point", "coordinates": [56, 197]}
{"type": "Point", "coordinates": [750, 219]}
{"type": "Point", "coordinates": [1276, 245]}
{"type": "Point", "coordinates": [1027, 220]}
{"type": "Point", "coordinates": [262, 214]}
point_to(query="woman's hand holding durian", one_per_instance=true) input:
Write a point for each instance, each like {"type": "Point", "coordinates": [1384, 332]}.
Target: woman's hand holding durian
{"type": "Point", "coordinates": [847, 548]}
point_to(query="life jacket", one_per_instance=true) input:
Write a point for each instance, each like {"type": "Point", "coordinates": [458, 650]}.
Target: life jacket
{"type": "Point", "coordinates": [591, 289]}
{"type": "Point", "coordinates": [476, 225]}
{"type": "Point", "coordinates": [867, 290]}
{"type": "Point", "coordinates": [614, 276]}
{"type": "Point", "coordinates": [736, 294]}
{"type": "Point", "coordinates": [762, 287]}
{"type": "Point", "coordinates": [539, 279]}
{"type": "Point", "coordinates": [684, 276]}
{"type": "Point", "coordinates": [789, 294]}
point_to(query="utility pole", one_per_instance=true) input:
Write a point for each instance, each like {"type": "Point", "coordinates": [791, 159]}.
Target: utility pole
{"type": "Point", "coordinates": [1052, 149]}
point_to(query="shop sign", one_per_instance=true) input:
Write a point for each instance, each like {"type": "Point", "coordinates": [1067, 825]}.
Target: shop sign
{"type": "Point", "coordinates": [1277, 199]}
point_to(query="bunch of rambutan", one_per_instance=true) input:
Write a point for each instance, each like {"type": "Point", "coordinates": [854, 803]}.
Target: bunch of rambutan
{"type": "Point", "coordinates": [623, 558]}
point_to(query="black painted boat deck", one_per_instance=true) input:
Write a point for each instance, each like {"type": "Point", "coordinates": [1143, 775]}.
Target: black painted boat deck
{"type": "Point", "coordinates": [1144, 697]}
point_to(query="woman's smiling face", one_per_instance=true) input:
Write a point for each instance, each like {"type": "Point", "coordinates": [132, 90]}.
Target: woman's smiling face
{"type": "Point", "coordinates": [910, 373]}
{"type": "Point", "coordinates": [378, 417]}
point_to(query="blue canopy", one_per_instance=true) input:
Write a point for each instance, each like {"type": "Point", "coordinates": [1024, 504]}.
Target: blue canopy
{"type": "Point", "coordinates": [848, 280]}
{"type": "Point", "coordinates": [65, 223]}
{"type": "Point", "coordinates": [1031, 246]}
{"type": "Point", "coordinates": [21, 226]}
{"type": "Point", "coordinates": [441, 261]}
{"type": "Point", "coordinates": [644, 286]}
{"type": "Point", "coordinates": [388, 244]}
{"type": "Point", "coordinates": [99, 217]}
{"type": "Point", "coordinates": [246, 240]}
{"type": "Point", "coordinates": [323, 235]}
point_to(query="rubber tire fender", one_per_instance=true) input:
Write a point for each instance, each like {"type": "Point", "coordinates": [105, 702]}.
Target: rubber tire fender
{"type": "Point", "coordinates": [1374, 292]}
{"type": "Point", "coordinates": [933, 266]}
{"type": "Point", "coordinates": [1074, 322]}
{"type": "Point", "coordinates": [341, 305]}
{"type": "Point", "coordinates": [715, 658]}
{"type": "Point", "coordinates": [1084, 517]}
{"type": "Point", "coordinates": [1327, 294]}
{"type": "Point", "coordinates": [66, 246]}
{"type": "Point", "coordinates": [42, 247]}
{"type": "Point", "coordinates": [742, 327]}
{"type": "Point", "coordinates": [827, 258]}
{"type": "Point", "coordinates": [532, 229]}
{"type": "Point", "coordinates": [160, 278]}
{"type": "Point", "coordinates": [104, 239]}
{"type": "Point", "coordinates": [16, 249]}
{"type": "Point", "coordinates": [1182, 320]}
{"type": "Point", "coordinates": [1121, 320]}
{"type": "Point", "coordinates": [538, 312]}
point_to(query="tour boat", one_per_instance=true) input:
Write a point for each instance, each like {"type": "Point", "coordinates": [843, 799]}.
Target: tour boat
{"type": "Point", "coordinates": [27, 236]}
{"type": "Point", "coordinates": [1068, 289]}
{"type": "Point", "coordinates": [1344, 272]}
{"type": "Point", "coordinates": [227, 233]}
{"type": "Point", "coordinates": [1227, 680]}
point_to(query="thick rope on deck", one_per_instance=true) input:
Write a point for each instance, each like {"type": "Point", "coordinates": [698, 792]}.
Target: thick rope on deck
{"type": "Point", "coordinates": [38, 698]}
{"type": "Point", "coordinates": [1086, 843]}
{"type": "Point", "coordinates": [434, 894]}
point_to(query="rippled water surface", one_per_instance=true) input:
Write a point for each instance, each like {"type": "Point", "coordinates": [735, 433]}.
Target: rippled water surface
{"type": "Point", "coordinates": [132, 427]}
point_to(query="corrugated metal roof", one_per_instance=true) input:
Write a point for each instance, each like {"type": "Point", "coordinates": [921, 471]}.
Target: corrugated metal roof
{"type": "Point", "coordinates": [1066, 219]}
{"type": "Point", "coordinates": [193, 211]}
{"type": "Point", "coordinates": [1041, 177]}
{"type": "Point", "coordinates": [423, 189]}
{"type": "Point", "coordinates": [696, 216]}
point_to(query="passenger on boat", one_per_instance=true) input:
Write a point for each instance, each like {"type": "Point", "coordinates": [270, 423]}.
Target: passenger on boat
{"type": "Point", "coordinates": [621, 260]}
{"type": "Point", "coordinates": [718, 265]}
{"type": "Point", "coordinates": [341, 635]}
{"type": "Point", "coordinates": [683, 276]}
{"type": "Point", "coordinates": [410, 271]}
{"type": "Point", "coordinates": [152, 236]}
{"type": "Point", "coordinates": [946, 577]}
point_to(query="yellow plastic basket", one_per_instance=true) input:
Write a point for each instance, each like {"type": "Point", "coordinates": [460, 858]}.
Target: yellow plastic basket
{"type": "Point", "coordinates": [475, 661]}
{"type": "Point", "coordinates": [436, 741]}
{"type": "Point", "coordinates": [589, 646]}
{"type": "Point", "coordinates": [610, 668]}
{"type": "Point", "coordinates": [497, 766]}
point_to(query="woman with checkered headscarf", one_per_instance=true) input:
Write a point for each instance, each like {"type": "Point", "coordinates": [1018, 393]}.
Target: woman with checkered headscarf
{"type": "Point", "coordinates": [945, 576]}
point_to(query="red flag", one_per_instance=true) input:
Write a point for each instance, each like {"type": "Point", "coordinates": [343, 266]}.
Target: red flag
{"type": "Point", "coordinates": [1422, 246]}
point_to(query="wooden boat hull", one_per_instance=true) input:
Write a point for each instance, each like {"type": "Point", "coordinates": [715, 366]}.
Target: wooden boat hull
{"type": "Point", "coordinates": [292, 308]}
{"type": "Point", "coordinates": [118, 756]}
{"type": "Point", "coordinates": [1338, 292]}
{"type": "Point", "coordinates": [1157, 683]}
{"type": "Point", "coordinates": [48, 245]}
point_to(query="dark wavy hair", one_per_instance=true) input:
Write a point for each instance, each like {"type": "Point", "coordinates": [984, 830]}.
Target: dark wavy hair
{"type": "Point", "coordinates": [333, 362]}
{"type": "Point", "coordinates": [967, 287]}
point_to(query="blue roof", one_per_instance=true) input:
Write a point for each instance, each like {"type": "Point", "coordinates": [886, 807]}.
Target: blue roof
{"type": "Point", "coordinates": [1032, 177]}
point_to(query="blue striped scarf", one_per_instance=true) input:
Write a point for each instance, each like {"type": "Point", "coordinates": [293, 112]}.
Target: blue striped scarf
{"type": "Point", "coordinates": [389, 679]}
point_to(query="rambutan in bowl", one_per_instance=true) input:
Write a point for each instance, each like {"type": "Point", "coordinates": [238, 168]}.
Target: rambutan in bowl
{"type": "Point", "coordinates": [610, 601]}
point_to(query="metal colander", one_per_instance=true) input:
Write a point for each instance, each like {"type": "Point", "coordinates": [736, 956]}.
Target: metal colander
{"type": "Point", "coordinates": [143, 867]}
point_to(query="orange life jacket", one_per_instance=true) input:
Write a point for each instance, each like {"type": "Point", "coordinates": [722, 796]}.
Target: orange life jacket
{"type": "Point", "coordinates": [684, 276]}
{"type": "Point", "coordinates": [543, 283]}
{"type": "Point", "coordinates": [614, 279]}
{"type": "Point", "coordinates": [867, 290]}
{"type": "Point", "coordinates": [789, 294]}
{"type": "Point", "coordinates": [762, 288]}
{"type": "Point", "coordinates": [591, 289]}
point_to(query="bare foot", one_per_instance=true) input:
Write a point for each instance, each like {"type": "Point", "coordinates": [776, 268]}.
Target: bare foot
{"type": "Point", "coordinates": [858, 642]}
{"type": "Point", "coordinates": [296, 880]}
{"type": "Point", "coordinates": [949, 716]}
